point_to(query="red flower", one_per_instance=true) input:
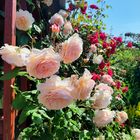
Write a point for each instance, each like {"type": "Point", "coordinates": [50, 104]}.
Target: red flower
{"type": "Point", "coordinates": [93, 6]}
{"type": "Point", "coordinates": [124, 89]}
{"type": "Point", "coordinates": [113, 50]}
{"type": "Point", "coordinates": [89, 16]}
{"type": "Point", "coordinates": [93, 38]}
{"type": "Point", "coordinates": [76, 29]}
{"type": "Point", "coordinates": [122, 125]}
{"type": "Point", "coordinates": [130, 44]}
{"type": "Point", "coordinates": [118, 39]}
{"type": "Point", "coordinates": [102, 65]}
{"type": "Point", "coordinates": [110, 72]}
{"type": "Point", "coordinates": [108, 64]}
{"type": "Point", "coordinates": [103, 36]}
{"type": "Point", "coordinates": [113, 43]}
{"type": "Point", "coordinates": [105, 45]}
{"type": "Point", "coordinates": [95, 76]}
{"type": "Point", "coordinates": [118, 84]}
{"type": "Point", "coordinates": [71, 7]}
{"type": "Point", "coordinates": [84, 9]}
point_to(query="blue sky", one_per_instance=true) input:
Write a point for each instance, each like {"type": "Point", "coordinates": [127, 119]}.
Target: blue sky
{"type": "Point", "coordinates": [124, 16]}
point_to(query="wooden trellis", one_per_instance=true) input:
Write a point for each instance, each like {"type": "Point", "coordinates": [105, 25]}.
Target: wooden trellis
{"type": "Point", "coordinates": [10, 38]}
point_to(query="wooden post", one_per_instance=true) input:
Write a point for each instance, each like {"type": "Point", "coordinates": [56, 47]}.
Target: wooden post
{"type": "Point", "coordinates": [10, 38]}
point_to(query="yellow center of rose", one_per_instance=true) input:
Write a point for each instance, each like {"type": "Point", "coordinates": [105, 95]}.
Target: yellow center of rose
{"type": "Point", "coordinates": [22, 21]}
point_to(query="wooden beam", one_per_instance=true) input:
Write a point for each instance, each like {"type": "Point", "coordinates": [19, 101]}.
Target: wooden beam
{"type": "Point", "coordinates": [10, 38]}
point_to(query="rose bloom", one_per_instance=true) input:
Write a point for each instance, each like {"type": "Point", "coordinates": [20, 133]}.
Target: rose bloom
{"type": "Point", "coordinates": [93, 6]}
{"type": "Point", "coordinates": [55, 93]}
{"type": "Point", "coordinates": [55, 28]}
{"type": "Point", "coordinates": [95, 76]}
{"type": "Point", "coordinates": [57, 19]}
{"type": "Point", "coordinates": [97, 59]}
{"type": "Point", "coordinates": [14, 55]}
{"type": "Point", "coordinates": [104, 87]}
{"type": "Point", "coordinates": [43, 63]}
{"type": "Point", "coordinates": [93, 48]}
{"type": "Point", "coordinates": [130, 45]}
{"type": "Point", "coordinates": [136, 133]}
{"type": "Point", "coordinates": [24, 20]}
{"type": "Point", "coordinates": [67, 28]}
{"type": "Point", "coordinates": [101, 99]}
{"type": "Point", "coordinates": [72, 49]}
{"type": "Point", "coordinates": [103, 117]}
{"type": "Point", "coordinates": [83, 86]}
{"type": "Point", "coordinates": [107, 79]}
{"type": "Point", "coordinates": [63, 13]}
{"type": "Point", "coordinates": [48, 2]}
{"type": "Point", "coordinates": [121, 117]}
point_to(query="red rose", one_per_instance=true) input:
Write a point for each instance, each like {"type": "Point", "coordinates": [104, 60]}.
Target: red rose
{"type": "Point", "coordinates": [124, 89]}
{"type": "Point", "coordinates": [130, 44]}
{"type": "Point", "coordinates": [110, 72]}
{"type": "Point", "coordinates": [103, 36]}
{"type": "Point", "coordinates": [93, 6]}
{"type": "Point", "coordinates": [102, 65]}
{"type": "Point", "coordinates": [119, 39]}
{"type": "Point", "coordinates": [93, 38]}
{"type": "Point", "coordinates": [118, 84]}
{"type": "Point", "coordinates": [113, 43]}
{"type": "Point", "coordinates": [105, 45]}
{"type": "Point", "coordinates": [84, 9]}
{"type": "Point", "coordinates": [95, 76]}
{"type": "Point", "coordinates": [108, 64]}
{"type": "Point", "coordinates": [71, 7]}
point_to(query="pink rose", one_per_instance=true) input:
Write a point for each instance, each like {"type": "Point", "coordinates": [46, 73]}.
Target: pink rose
{"type": "Point", "coordinates": [14, 55]}
{"type": "Point", "coordinates": [136, 133]}
{"type": "Point", "coordinates": [55, 93]}
{"type": "Point", "coordinates": [57, 19]}
{"type": "Point", "coordinates": [67, 28]}
{"type": "Point", "coordinates": [63, 13]}
{"type": "Point", "coordinates": [101, 100]}
{"type": "Point", "coordinates": [43, 63]}
{"type": "Point", "coordinates": [55, 28]}
{"type": "Point", "coordinates": [97, 59]}
{"type": "Point", "coordinates": [24, 20]}
{"type": "Point", "coordinates": [83, 86]}
{"type": "Point", "coordinates": [121, 117]}
{"type": "Point", "coordinates": [103, 117]}
{"type": "Point", "coordinates": [104, 87]}
{"type": "Point", "coordinates": [72, 49]}
{"type": "Point", "coordinates": [107, 79]}
{"type": "Point", "coordinates": [93, 48]}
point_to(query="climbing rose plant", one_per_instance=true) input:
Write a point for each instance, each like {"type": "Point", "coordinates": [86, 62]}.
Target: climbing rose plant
{"type": "Point", "coordinates": [72, 91]}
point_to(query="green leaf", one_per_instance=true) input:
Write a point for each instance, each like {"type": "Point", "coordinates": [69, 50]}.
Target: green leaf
{"type": "Point", "coordinates": [37, 28]}
{"type": "Point", "coordinates": [28, 110]}
{"type": "Point", "coordinates": [19, 102]}
{"type": "Point", "coordinates": [22, 38]}
{"type": "Point", "coordinates": [84, 135]}
{"type": "Point", "coordinates": [25, 74]}
{"type": "Point", "coordinates": [37, 118]}
{"type": "Point", "coordinates": [24, 114]}
{"type": "Point", "coordinates": [11, 74]}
